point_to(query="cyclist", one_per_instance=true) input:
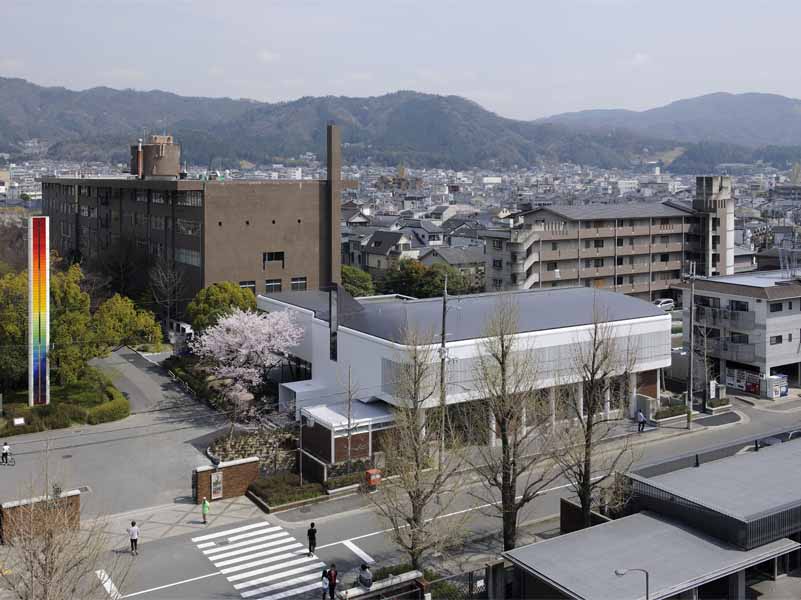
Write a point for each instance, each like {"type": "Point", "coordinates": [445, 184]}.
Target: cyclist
{"type": "Point", "coordinates": [6, 452]}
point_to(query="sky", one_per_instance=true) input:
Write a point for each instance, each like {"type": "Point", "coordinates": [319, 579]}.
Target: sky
{"type": "Point", "coordinates": [521, 59]}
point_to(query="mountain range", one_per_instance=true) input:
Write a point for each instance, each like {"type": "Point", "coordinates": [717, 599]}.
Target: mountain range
{"type": "Point", "coordinates": [416, 129]}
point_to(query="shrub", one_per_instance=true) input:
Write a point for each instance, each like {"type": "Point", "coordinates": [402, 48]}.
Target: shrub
{"type": "Point", "coordinates": [114, 410]}
{"type": "Point", "coordinates": [343, 480]}
{"type": "Point", "coordinates": [284, 488]}
{"type": "Point", "coordinates": [670, 411]}
{"type": "Point", "coordinates": [715, 402]}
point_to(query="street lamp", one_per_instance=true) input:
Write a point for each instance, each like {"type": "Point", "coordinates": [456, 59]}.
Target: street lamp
{"type": "Point", "coordinates": [621, 572]}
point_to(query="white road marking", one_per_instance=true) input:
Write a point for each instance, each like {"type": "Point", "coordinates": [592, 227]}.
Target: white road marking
{"type": "Point", "coordinates": [169, 585]}
{"type": "Point", "coordinates": [293, 592]}
{"type": "Point", "coordinates": [257, 563]}
{"type": "Point", "coordinates": [108, 585]}
{"type": "Point", "coordinates": [290, 563]}
{"type": "Point", "coordinates": [359, 552]}
{"type": "Point", "coordinates": [207, 545]}
{"type": "Point", "coordinates": [283, 584]}
{"type": "Point", "coordinates": [269, 578]}
{"type": "Point", "coordinates": [274, 536]}
{"type": "Point", "coordinates": [235, 538]}
{"type": "Point", "coordinates": [233, 561]}
{"type": "Point", "coordinates": [227, 532]}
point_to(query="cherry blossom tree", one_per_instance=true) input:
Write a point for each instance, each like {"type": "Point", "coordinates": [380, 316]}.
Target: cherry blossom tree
{"type": "Point", "coordinates": [244, 345]}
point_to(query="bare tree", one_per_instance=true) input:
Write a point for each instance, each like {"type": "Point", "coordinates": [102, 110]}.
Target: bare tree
{"type": "Point", "coordinates": [351, 391]}
{"type": "Point", "coordinates": [518, 416]}
{"type": "Point", "coordinates": [594, 407]}
{"type": "Point", "coordinates": [415, 503]}
{"type": "Point", "coordinates": [166, 285]}
{"type": "Point", "coordinates": [50, 555]}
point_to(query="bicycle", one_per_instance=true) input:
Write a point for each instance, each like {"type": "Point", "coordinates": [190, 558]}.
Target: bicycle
{"type": "Point", "coordinates": [11, 462]}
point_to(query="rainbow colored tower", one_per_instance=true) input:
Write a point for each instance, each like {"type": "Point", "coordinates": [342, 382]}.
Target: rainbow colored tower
{"type": "Point", "coordinates": [38, 310]}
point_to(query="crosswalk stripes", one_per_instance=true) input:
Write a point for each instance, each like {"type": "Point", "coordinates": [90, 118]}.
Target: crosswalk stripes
{"type": "Point", "coordinates": [262, 561]}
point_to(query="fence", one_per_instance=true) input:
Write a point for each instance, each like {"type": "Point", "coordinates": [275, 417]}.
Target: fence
{"type": "Point", "coordinates": [470, 585]}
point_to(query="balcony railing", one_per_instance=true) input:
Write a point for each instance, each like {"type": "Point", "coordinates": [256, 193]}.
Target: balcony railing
{"type": "Point", "coordinates": [729, 350]}
{"type": "Point", "coordinates": [723, 317]}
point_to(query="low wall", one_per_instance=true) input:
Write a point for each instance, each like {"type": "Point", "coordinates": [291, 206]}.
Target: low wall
{"type": "Point", "coordinates": [18, 515]}
{"type": "Point", "coordinates": [231, 479]}
{"type": "Point", "coordinates": [571, 519]}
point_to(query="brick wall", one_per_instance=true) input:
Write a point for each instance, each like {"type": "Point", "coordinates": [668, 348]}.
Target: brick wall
{"type": "Point", "coordinates": [23, 515]}
{"type": "Point", "coordinates": [237, 475]}
{"type": "Point", "coordinates": [359, 446]}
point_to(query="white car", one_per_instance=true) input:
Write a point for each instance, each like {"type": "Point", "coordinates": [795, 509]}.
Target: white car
{"type": "Point", "coordinates": [666, 304]}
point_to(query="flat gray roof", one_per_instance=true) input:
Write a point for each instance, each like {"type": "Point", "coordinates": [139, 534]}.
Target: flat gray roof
{"type": "Point", "coordinates": [585, 212]}
{"type": "Point", "coordinates": [335, 416]}
{"type": "Point", "coordinates": [538, 310]}
{"type": "Point", "coordinates": [744, 486]}
{"type": "Point", "coordinates": [761, 279]}
{"type": "Point", "coordinates": [582, 564]}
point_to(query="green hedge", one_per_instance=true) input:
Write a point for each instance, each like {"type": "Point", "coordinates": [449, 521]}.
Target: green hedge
{"type": "Point", "coordinates": [439, 589]}
{"type": "Point", "coordinates": [343, 480]}
{"type": "Point", "coordinates": [671, 411]}
{"type": "Point", "coordinates": [715, 402]}
{"type": "Point", "coordinates": [284, 488]}
{"type": "Point", "coordinates": [116, 409]}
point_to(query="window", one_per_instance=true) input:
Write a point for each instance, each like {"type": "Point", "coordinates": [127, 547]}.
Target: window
{"type": "Point", "coordinates": [598, 262]}
{"type": "Point", "coordinates": [497, 263]}
{"type": "Point", "coordinates": [631, 279]}
{"type": "Point", "coordinates": [597, 224]}
{"type": "Point", "coordinates": [586, 224]}
{"type": "Point", "coordinates": [268, 257]}
{"type": "Point", "coordinates": [619, 261]}
{"type": "Point", "coordinates": [194, 198]}
{"type": "Point", "coordinates": [664, 239]}
{"type": "Point", "coordinates": [789, 337]}
{"type": "Point", "coordinates": [775, 340]}
{"type": "Point", "coordinates": [664, 221]}
{"type": "Point", "coordinates": [497, 283]}
{"type": "Point", "coordinates": [156, 222]}
{"type": "Point", "coordinates": [551, 266]}
{"type": "Point", "coordinates": [587, 263]}
{"type": "Point", "coordinates": [738, 338]}
{"type": "Point", "coordinates": [587, 282]}
{"type": "Point", "coordinates": [619, 242]}
{"type": "Point", "coordinates": [631, 241]}
{"type": "Point", "coordinates": [664, 258]}
{"type": "Point", "coordinates": [587, 243]}
{"type": "Point", "coordinates": [497, 244]}
{"type": "Point", "coordinates": [298, 284]}
{"type": "Point", "coordinates": [554, 246]}
{"type": "Point", "coordinates": [776, 307]}
{"type": "Point", "coordinates": [187, 227]}
{"type": "Point", "coordinates": [738, 305]}
{"type": "Point", "coordinates": [248, 285]}
{"type": "Point", "coordinates": [141, 195]}
{"type": "Point", "coordinates": [514, 278]}
{"type": "Point", "coordinates": [157, 197]}
{"type": "Point", "coordinates": [789, 306]}
{"type": "Point", "coordinates": [599, 243]}
{"type": "Point", "coordinates": [514, 257]}
{"type": "Point", "coordinates": [272, 286]}
{"type": "Point", "coordinates": [139, 219]}
{"type": "Point", "coordinates": [187, 256]}
{"type": "Point", "coordinates": [619, 280]}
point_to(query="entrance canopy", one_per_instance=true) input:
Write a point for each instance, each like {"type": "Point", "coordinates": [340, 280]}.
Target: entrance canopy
{"type": "Point", "coordinates": [375, 415]}
{"type": "Point", "coordinates": [582, 564]}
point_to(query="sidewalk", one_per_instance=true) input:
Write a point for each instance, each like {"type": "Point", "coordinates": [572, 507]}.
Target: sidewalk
{"type": "Point", "coordinates": [169, 520]}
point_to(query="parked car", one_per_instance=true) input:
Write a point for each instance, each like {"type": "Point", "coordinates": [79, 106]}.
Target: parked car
{"type": "Point", "coordinates": [666, 304]}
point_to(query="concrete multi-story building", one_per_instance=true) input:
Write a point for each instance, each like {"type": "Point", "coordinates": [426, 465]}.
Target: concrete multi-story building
{"type": "Point", "coordinates": [640, 249]}
{"type": "Point", "coordinates": [265, 235]}
{"type": "Point", "coordinates": [748, 327]}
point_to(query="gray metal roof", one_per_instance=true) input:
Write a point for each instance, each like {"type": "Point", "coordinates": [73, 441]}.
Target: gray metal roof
{"type": "Point", "coordinates": [586, 212]}
{"type": "Point", "coordinates": [456, 256]}
{"type": "Point", "coordinates": [746, 485]}
{"type": "Point", "coordinates": [582, 564]}
{"type": "Point", "coordinates": [538, 310]}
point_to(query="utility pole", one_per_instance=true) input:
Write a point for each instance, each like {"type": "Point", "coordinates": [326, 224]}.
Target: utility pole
{"type": "Point", "coordinates": [350, 418]}
{"type": "Point", "coordinates": [690, 382]}
{"type": "Point", "coordinates": [443, 357]}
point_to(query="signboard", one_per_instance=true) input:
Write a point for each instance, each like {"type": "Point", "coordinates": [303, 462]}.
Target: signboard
{"type": "Point", "coordinates": [216, 485]}
{"type": "Point", "coordinates": [38, 310]}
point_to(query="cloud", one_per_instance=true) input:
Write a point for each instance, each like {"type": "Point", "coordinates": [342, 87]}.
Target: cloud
{"type": "Point", "coordinates": [640, 59]}
{"type": "Point", "coordinates": [266, 56]}
{"type": "Point", "coordinates": [9, 64]}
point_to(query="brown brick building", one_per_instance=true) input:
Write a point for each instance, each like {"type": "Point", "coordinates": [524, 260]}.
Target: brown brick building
{"type": "Point", "coordinates": [265, 235]}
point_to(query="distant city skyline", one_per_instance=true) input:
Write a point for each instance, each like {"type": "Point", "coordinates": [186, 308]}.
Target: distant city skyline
{"type": "Point", "coordinates": [519, 59]}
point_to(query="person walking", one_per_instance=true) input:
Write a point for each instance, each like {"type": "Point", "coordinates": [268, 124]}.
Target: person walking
{"type": "Point", "coordinates": [365, 577]}
{"type": "Point", "coordinates": [324, 581]}
{"type": "Point", "coordinates": [133, 533]}
{"type": "Point", "coordinates": [312, 535]}
{"type": "Point", "coordinates": [6, 452]}
{"type": "Point", "coordinates": [640, 421]}
{"type": "Point", "coordinates": [332, 581]}
{"type": "Point", "coordinates": [204, 509]}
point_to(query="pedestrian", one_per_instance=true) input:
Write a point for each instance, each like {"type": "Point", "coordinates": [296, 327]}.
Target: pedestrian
{"type": "Point", "coordinates": [365, 577]}
{"type": "Point", "coordinates": [332, 581]}
{"type": "Point", "coordinates": [133, 533]}
{"type": "Point", "coordinates": [204, 509]}
{"type": "Point", "coordinates": [640, 421]}
{"type": "Point", "coordinates": [6, 451]}
{"type": "Point", "coordinates": [325, 582]}
{"type": "Point", "coordinates": [312, 535]}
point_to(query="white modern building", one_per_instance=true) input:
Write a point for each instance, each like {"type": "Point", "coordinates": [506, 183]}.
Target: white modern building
{"type": "Point", "coordinates": [366, 336]}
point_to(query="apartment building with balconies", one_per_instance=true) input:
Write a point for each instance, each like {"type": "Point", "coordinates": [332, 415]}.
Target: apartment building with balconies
{"type": "Point", "coordinates": [747, 323]}
{"type": "Point", "coordinates": [639, 248]}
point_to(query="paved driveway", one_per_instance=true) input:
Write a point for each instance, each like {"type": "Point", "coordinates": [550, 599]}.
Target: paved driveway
{"type": "Point", "coordinates": [141, 461]}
